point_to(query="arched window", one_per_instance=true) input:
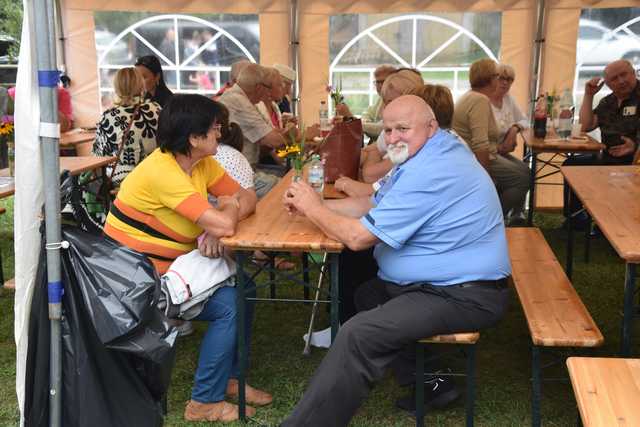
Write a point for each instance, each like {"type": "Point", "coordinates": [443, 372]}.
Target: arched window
{"type": "Point", "coordinates": [604, 35]}
{"type": "Point", "coordinates": [196, 54]}
{"type": "Point", "coordinates": [440, 48]}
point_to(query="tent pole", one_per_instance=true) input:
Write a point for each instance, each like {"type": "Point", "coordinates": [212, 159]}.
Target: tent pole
{"type": "Point", "coordinates": [537, 58]}
{"type": "Point", "coordinates": [61, 59]}
{"type": "Point", "coordinates": [45, 48]}
{"type": "Point", "coordinates": [294, 51]}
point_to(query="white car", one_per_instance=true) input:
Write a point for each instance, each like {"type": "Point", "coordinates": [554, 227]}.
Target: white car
{"type": "Point", "coordinates": [597, 45]}
{"type": "Point", "coordinates": [119, 53]}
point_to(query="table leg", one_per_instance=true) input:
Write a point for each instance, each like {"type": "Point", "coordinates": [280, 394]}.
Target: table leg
{"type": "Point", "coordinates": [629, 308]}
{"type": "Point", "coordinates": [241, 282]}
{"type": "Point", "coordinates": [335, 317]}
{"type": "Point", "coordinates": [532, 188]}
{"type": "Point", "coordinates": [106, 190]}
{"type": "Point", "coordinates": [569, 264]}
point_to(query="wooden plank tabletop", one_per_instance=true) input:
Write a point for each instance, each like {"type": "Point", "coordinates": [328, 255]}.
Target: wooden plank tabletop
{"type": "Point", "coordinates": [272, 228]}
{"type": "Point", "coordinates": [78, 164]}
{"type": "Point", "coordinates": [7, 185]}
{"type": "Point", "coordinates": [553, 144]}
{"type": "Point", "coordinates": [76, 136]}
{"type": "Point", "coordinates": [607, 390]}
{"type": "Point", "coordinates": [75, 165]}
{"type": "Point", "coordinates": [611, 195]}
{"type": "Point", "coordinates": [555, 314]}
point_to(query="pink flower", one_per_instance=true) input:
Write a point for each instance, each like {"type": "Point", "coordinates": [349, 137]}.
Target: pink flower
{"type": "Point", "coordinates": [7, 119]}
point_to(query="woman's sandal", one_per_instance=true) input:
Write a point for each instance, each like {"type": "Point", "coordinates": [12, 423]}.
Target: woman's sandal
{"type": "Point", "coordinates": [219, 411]}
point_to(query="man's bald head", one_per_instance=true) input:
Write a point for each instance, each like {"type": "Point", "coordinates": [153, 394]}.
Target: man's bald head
{"type": "Point", "coordinates": [620, 77]}
{"type": "Point", "coordinates": [410, 105]}
{"type": "Point", "coordinates": [408, 120]}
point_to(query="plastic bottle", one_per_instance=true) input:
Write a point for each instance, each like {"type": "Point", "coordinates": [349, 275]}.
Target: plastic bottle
{"type": "Point", "coordinates": [325, 126]}
{"type": "Point", "coordinates": [316, 174]}
{"type": "Point", "coordinates": [540, 119]}
{"type": "Point", "coordinates": [565, 118]}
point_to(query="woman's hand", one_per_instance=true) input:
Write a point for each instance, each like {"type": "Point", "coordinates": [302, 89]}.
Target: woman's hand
{"type": "Point", "coordinates": [510, 141]}
{"type": "Point", "coordinates": [210, 246]}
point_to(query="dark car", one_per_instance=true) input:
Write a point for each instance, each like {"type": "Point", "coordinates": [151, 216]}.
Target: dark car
{"type": "Point", "coordinates": [8, 63]}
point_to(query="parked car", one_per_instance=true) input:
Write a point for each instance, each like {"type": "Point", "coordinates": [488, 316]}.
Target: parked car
{"type": "Point", "coordinates": [598, 46]}
{"type": "Point", "coordinates": [118, 54]}
{"type": "Point", "coordinates": [8, 63]}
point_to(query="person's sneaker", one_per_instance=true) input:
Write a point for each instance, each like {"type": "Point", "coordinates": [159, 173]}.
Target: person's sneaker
{"type": "Point", "coordinates": [439, 392]}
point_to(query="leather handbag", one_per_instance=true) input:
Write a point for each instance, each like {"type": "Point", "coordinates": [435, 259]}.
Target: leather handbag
{"type": "Point", "coordinates": [341, 150]}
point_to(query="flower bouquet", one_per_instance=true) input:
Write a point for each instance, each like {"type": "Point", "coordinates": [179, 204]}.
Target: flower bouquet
{"type": "Point", "coordinates": [6, 141]}
{"type": "Point", "coordinates": [294, 152]}
{"type": "Point", "coordinates": [335, 94]}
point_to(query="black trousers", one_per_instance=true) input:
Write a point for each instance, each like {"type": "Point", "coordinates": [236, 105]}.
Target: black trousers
{"type": "Point", "coordinates": [372, 340]}
{"type": "Point", "coordinates": [575, 205]}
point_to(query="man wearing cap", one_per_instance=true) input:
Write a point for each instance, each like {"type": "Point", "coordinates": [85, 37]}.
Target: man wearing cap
{"type": "Point", "coordinates": [422, 226]}
{"type": "Point", "coordinates": [288, 77]}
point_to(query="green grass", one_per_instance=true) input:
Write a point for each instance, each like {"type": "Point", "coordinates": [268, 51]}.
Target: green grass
{"type": "Point", "coordinates": [503, 392]}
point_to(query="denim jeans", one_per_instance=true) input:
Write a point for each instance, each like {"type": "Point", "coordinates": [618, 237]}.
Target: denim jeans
{"type": "Point", "coordinates": [218, 359]}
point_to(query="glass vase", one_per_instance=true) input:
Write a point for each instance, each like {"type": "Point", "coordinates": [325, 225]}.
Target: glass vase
{"type": "Point", "coordinates": [297, 175]}
{"type": "Point", "coordinates": [11, 157]}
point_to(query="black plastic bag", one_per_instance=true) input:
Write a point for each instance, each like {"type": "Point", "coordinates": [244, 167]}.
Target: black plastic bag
{"type": "Point", "coordinates": [117, 347]}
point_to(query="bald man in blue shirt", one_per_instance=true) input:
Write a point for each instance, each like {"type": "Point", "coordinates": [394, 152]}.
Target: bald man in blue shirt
{"type": "Point", "coordinates": [441, 249]}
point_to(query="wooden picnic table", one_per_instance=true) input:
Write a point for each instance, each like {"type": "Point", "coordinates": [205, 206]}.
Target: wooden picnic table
{"type": "Point", "coordinates": [607, 390]}
{"type": "Point", "coordinates": [76, 136]}
{"type": "Point", "coordinates": [556, 146]}
{"type": "Point", "coordinates": [75, 165]}
{"type": "Point", "coordinates": [611, 195]}
{"type": "Point", "coordinates": [272, 229]}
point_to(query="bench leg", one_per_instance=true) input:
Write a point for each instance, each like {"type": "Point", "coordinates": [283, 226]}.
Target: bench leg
{"type": "Point", "coordinates": [471, 383]}
{"type": "Point", "coordinates": [535, 386]}
{"type": "Point", "coordinates": [629, 308]}
{"type": "Point", "coordinates": [419, 385]}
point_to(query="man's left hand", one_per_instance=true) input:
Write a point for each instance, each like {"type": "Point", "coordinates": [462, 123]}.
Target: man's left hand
{"type": "Point", "coordinates": [625, 149]}
{"type": "Point", "coordinates": [301, 198]}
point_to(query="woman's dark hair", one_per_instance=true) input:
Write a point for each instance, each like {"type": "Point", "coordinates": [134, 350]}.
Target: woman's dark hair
{"type": "Point", "coordinates": [231, 132]}
{"type": "Point", "coordinates": [151, 62]}
{"type": "Point", "coordinates": [184, 116]}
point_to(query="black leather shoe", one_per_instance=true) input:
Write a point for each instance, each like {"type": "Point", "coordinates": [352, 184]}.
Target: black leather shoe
{"type": "Point", "coordinates": [439, 392]}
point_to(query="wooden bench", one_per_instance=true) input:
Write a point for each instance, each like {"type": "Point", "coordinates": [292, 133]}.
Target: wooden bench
{"type": "Point", "coordinates": [469, 340]}
{"type": "Point", "coordinates": [607, 390]}
{"type": "Point", "coordinates": [555, 314]}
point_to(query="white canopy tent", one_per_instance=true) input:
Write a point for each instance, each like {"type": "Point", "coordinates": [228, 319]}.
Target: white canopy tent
{"type": "Point", "coordinates": [285, 25]}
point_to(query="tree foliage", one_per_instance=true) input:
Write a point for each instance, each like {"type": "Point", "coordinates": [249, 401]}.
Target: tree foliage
{"type": "Point", "coordinates": [11, 22]}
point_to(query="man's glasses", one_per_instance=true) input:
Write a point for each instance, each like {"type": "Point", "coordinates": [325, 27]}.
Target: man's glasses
{"type": "Point", "coordinates": [267, 86]}
{"type": "Point", "coordinates": [505, 79]}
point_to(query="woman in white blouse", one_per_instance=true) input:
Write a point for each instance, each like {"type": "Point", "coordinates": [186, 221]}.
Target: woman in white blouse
{"type": "Point", "coordinates": [509, 118]}
{"type": "Point", "coordinates": [510, 121]}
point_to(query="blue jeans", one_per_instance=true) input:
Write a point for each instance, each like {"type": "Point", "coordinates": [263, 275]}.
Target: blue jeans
{"type": "Point", "coordinates": [218, 359]}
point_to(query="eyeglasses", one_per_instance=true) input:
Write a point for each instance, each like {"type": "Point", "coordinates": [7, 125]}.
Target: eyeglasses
{"type": "Point", "coordinates": [267, 86]}
{"type": "Point", "coordinates": [505, 79]}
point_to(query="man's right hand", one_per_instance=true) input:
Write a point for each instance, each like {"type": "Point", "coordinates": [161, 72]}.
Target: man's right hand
{"type": "Point", "coordinates": [593, 86]}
